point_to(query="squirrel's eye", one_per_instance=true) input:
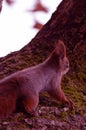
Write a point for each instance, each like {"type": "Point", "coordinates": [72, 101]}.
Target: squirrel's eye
{"type": "Point", "coordinates": [67, 65]}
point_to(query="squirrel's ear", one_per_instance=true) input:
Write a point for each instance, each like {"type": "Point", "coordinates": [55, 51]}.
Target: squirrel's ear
{"type": "Point", "coordinates": [60, 49]}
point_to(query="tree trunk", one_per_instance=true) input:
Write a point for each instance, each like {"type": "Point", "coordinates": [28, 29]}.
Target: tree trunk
{"type": "Point", "coordinates": [67, 23]}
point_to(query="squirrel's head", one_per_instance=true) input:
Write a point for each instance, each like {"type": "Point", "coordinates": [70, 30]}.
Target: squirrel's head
{"type": "Point", "coordinates": [63, 61]}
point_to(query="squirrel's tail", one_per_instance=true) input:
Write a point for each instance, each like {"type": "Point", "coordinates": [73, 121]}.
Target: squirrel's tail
{"type": "Point", "coordinates": [7, 105]}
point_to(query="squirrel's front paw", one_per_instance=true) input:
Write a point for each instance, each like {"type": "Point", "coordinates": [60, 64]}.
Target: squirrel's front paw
{"type": "Point", "coordinates": [70, 104]}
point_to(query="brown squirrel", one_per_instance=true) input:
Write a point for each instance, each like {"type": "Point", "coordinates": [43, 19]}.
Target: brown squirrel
{"type": "Point", "coordinates": [27, 84]}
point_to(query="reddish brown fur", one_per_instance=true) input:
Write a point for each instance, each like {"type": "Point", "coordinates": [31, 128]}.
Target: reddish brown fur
{"type": "Point", "coordinates": [27, 84]}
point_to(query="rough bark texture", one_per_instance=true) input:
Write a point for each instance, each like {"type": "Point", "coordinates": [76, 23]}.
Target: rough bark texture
{"type": "Point", "coordinates": [67, 23]}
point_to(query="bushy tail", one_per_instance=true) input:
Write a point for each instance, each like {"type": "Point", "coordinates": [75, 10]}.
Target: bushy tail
{"type": "Point", "coordinates": [7, 105]}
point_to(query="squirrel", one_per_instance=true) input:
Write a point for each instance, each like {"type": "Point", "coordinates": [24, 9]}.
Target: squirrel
{"type": "Point", "coordinates": [28, 83]}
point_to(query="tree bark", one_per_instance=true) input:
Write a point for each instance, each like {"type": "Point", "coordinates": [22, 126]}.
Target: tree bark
{"type": "Point", "coordinates": [67, 23]}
